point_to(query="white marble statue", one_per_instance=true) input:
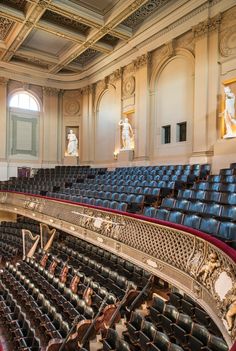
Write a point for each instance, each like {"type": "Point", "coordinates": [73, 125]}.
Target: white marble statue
{"type": "Point", "coordinates": [126, 134]}
{"type": "Point", "coordinates": [72, 147]}
{"type": "Point", "coordinates": [229, 113]}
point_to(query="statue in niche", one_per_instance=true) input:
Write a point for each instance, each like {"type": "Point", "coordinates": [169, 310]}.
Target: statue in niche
{"type": "Point", "coordinates": [229, 113]}
{"type": "Point", "coordinates": [127, 134]}
{"type": "Point", "coordinates": [72, 147]}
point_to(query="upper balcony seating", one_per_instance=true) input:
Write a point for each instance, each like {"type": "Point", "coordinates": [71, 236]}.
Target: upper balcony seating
{"type": "Point", "coordinates": [148, 184]}
{"type": "Point", "coordinates": [210, 206]}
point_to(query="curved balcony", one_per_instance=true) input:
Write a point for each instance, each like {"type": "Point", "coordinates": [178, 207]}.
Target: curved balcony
{"type": "Point", "coordinates": [201, 266]}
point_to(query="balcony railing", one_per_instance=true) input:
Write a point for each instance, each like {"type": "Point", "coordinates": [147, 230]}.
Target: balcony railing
{"type": "Point", "coordinates": [198, 264]}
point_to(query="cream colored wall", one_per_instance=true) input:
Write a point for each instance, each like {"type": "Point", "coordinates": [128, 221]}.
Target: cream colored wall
{"type": "Point", "coordinates": [174, 90]}
{"type": "Point", "coordinates": [106, 125]}
{"type": "Point", "coordinates": [167, 81]}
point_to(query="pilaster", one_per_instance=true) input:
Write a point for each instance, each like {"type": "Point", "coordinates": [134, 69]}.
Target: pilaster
{"type": "Point", "coordinates": [141, 65]}
{"type": "Point", "coordinates": [206, 85]}
{"type": "Point", "coordinates": [50, 125]}
{"type": "Point", "coordinates": [3, 117]}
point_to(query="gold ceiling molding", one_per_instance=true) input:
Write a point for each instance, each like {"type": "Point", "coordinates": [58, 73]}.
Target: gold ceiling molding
{"type": "Point", "coordinates": [102, 40]}
{"type": "Point", "coordinates": [34, 12]}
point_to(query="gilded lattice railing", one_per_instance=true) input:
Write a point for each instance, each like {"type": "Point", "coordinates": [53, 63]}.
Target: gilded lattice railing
{"type": "Point", "coordinates": [202, 267]}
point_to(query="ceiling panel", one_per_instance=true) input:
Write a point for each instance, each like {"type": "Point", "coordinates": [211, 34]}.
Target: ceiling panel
{"type": "Point", "coordinates": [87, 56]}
{"type": "Point", "coordinates": [109, 39]}
{"type": "Point", "coordinates": [65, 22]}
{"type": "Point", "coordinates": [137, 17]}
{"type": "Point", "coordinates": [46, 42]}
{"type": "Point", "coordinates": [16, 4]}
{"type": "Point", "coordinates": [30, 61]}
{"type": "Point", "coordinates": [5, 27]}
{"type": "Point", "coordinates": [102, 6]}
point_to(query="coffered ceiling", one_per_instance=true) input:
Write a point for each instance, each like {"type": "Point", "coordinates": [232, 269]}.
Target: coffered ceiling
{"type": "Point", "coordinates": [65, 37]}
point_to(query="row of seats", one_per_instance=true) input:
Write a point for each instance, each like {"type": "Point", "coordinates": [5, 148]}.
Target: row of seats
{"type": "Point", "coordinates": [164, 323]}
{"type": "Point", "coordinates": [84, 282]}
{"type": "Point", "coordinates": [138, 275]}
{"type": "Point", "coordinates": [223, 230]}
{"type": "Point", "coordinates": [19, 328]}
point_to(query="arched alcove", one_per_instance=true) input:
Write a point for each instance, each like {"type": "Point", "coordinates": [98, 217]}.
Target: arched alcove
{"type": "Point", "coordinates": [107, 129]}
{"type": "Point", "coordinates": [174, 107]}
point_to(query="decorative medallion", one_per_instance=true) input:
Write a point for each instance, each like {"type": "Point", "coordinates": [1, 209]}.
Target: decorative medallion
{"type": "Point", "coordinates": [72, 107]}
{"type": "Point", "coordinates": [228, 42]}
{"type": "Point", "coordinates": [129, 86]}
{"type": "Point", "coordinates": [65, 22]}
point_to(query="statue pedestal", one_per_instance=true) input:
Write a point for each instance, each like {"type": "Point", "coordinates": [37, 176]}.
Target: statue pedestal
{"type": "Point", "coordinates": [125, 156]}
{"type": "Point", "coordinates": [71, 160]}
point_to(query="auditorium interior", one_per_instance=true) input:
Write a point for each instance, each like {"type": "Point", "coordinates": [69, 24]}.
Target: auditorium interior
{"type": "Point", "coordinates": [118, 175]}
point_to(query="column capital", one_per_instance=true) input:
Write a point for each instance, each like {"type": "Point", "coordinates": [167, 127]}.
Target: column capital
{"type": "Point", "coordinates": [142, 60]}
{"type": "Point", "coordinates": [51, 91]}
{"type": "Point", "coordinates": [4, 81]}
{"type": "Point", "coordinates": [209, 25]}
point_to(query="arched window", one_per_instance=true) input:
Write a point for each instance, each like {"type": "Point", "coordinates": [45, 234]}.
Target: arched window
{"type": "Point", "coordinates": [24, 117]}
{"type": "Point", "coordinates": [25, 101]}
